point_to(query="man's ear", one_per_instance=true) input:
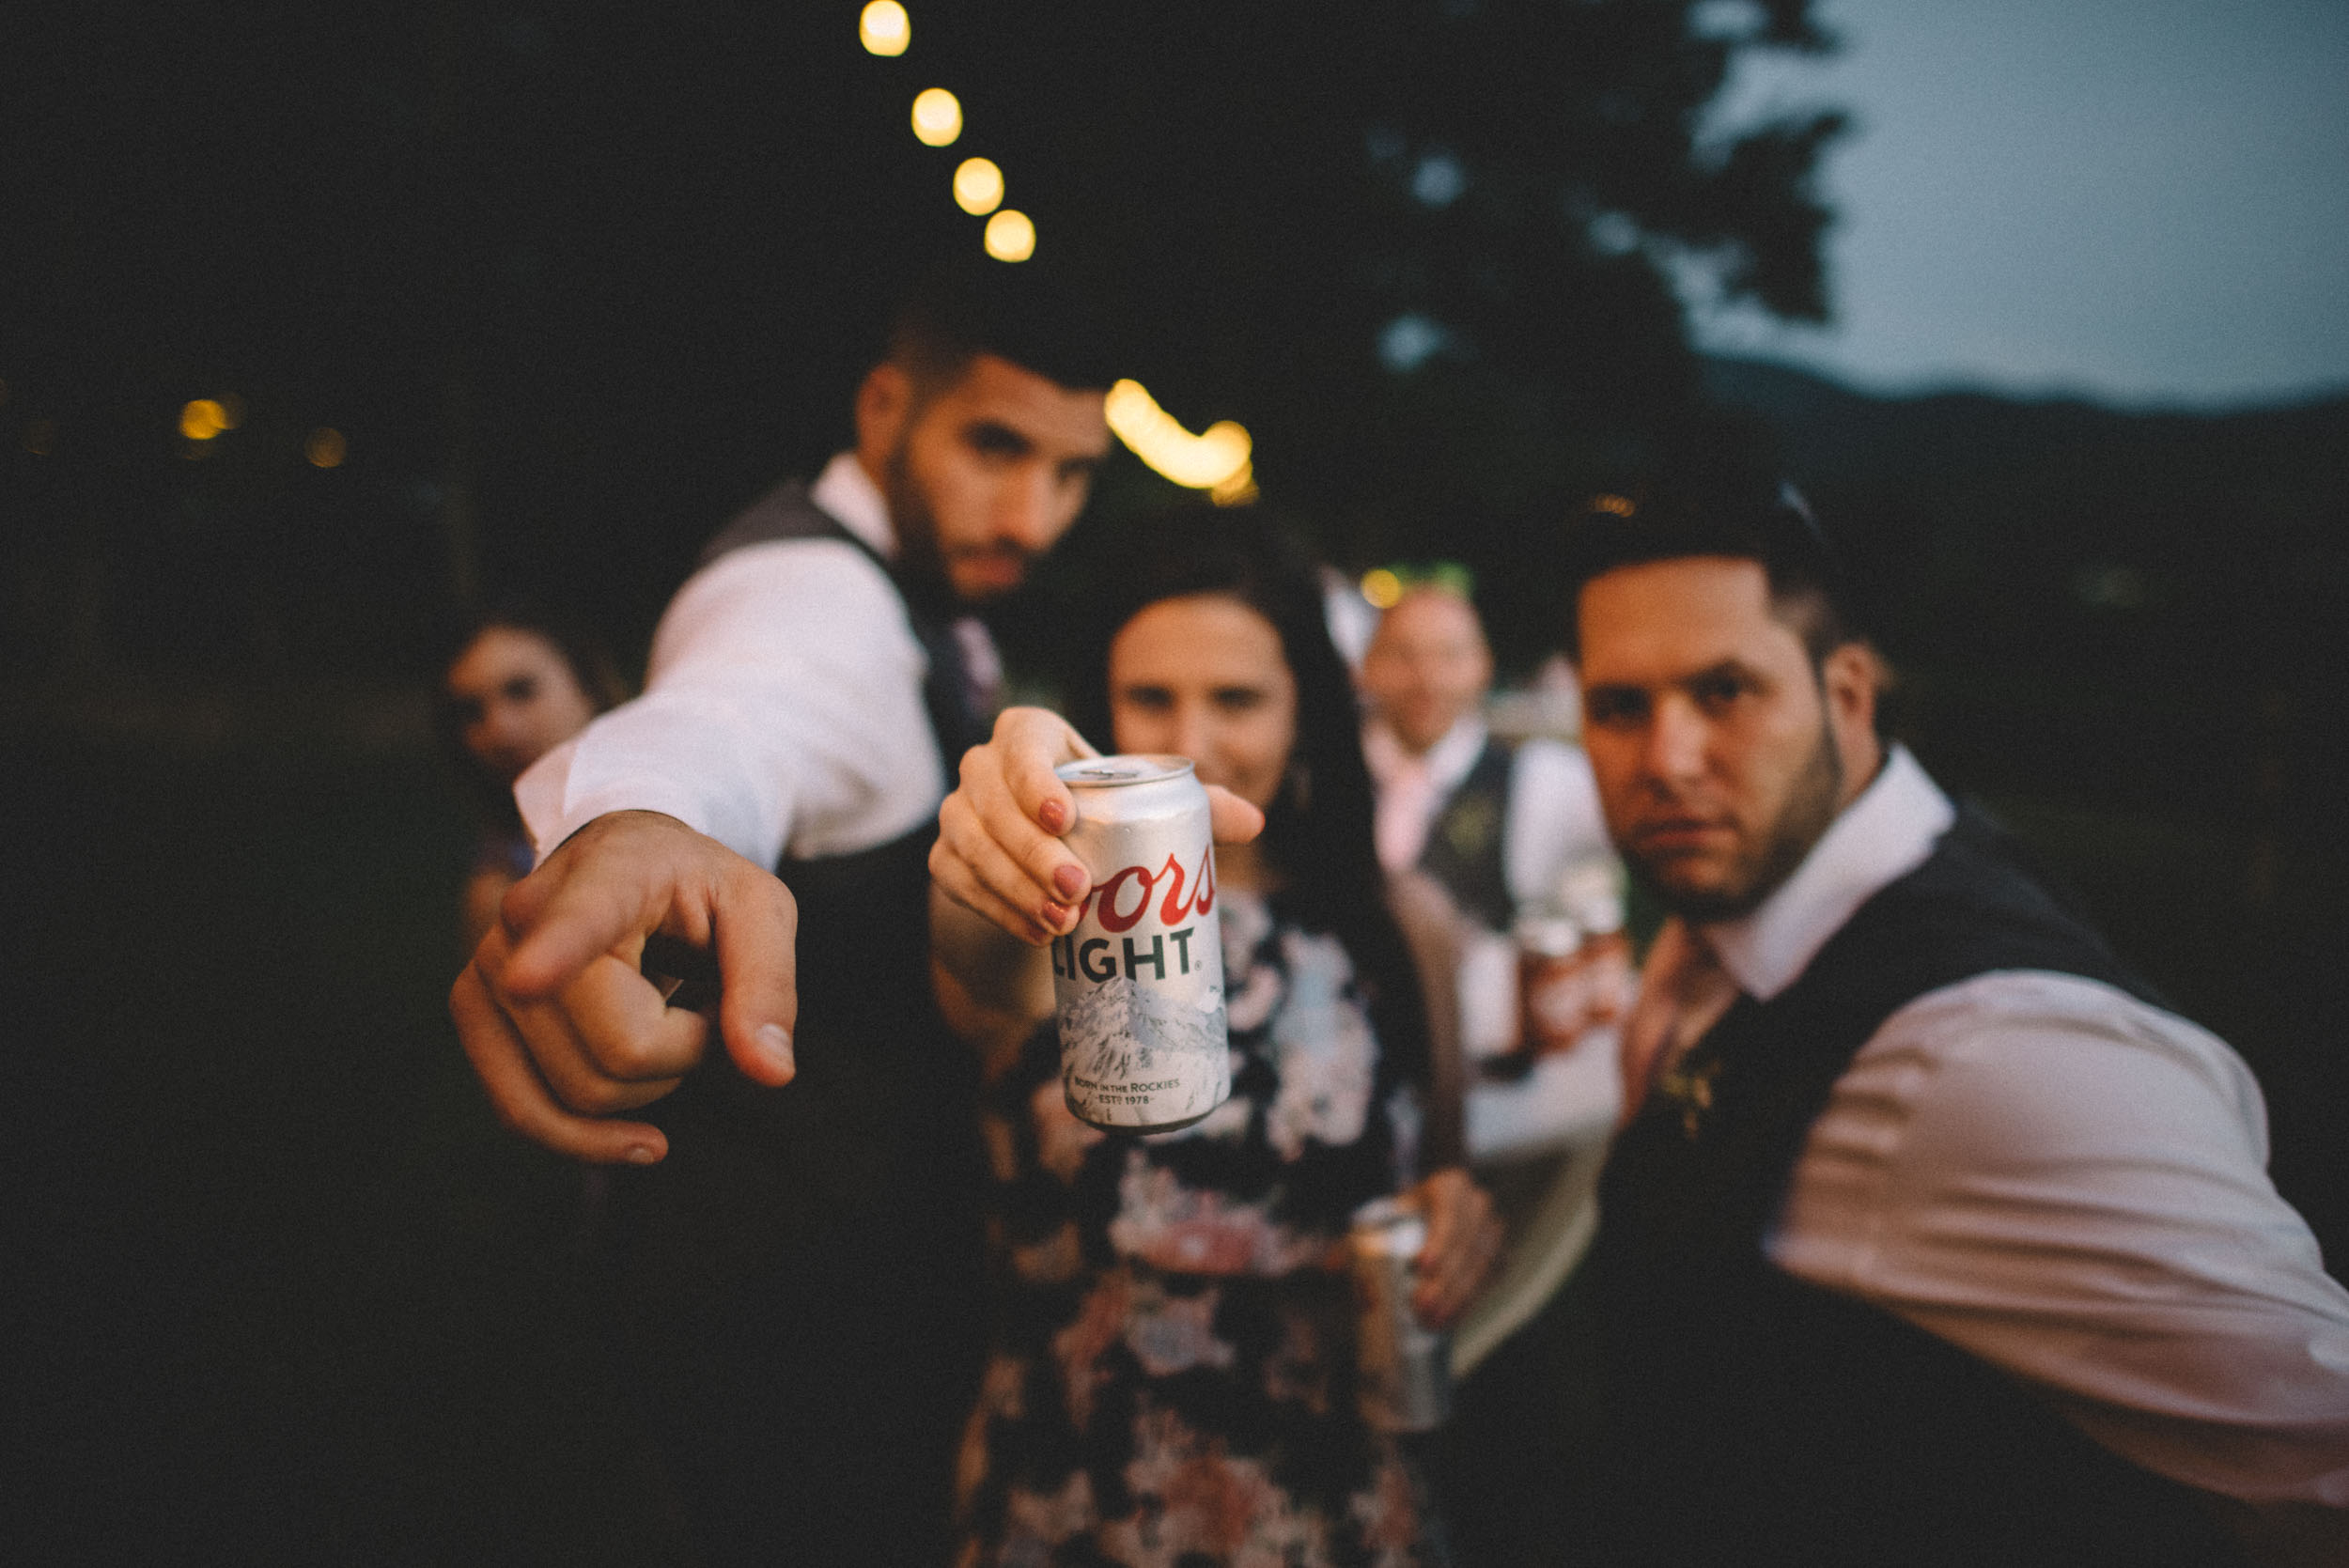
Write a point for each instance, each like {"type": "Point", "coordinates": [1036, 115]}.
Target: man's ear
{"type": "Point", "coordinates": [883, 404]}
{"type": "Point", "coordinates": [1850, 677]}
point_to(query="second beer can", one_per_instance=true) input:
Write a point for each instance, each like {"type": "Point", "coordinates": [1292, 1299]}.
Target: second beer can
{"type": "Point", "coordinates": [1139, 982]}
{"type": "Point", "coordinates": [1406, 1366]}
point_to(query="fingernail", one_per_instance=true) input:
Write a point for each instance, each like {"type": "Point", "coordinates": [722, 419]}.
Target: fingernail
{"type": "Point", "coordinates": [1069, 881]}
{"type": "Point", "coordinates": [774, 1043]}
{"type": "Point", "coordinates": [1057, 915]}
{"type": "Point", "coordinates": [1053, 815]}
{"type": "Point", "coordinates": [642, 1154]}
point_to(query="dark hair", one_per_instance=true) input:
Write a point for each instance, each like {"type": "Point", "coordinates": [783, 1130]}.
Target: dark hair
{"type": "Point", "coordinates": [1747, 519]}
{"type": "Point", "coordinates": [1037, 315]}
{"type": "Point", "coordinates": [1317, 830]}
{"type": "Point", "coordinates": [598, 677]}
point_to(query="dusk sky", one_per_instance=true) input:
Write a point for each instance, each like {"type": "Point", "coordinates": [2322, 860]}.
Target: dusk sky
{"type": "Point", "coordinates": [2143, 201]}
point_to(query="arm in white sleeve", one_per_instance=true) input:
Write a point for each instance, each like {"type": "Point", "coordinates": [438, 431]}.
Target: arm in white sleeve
{"type": "Point", "coordinates": [783, 709]}
{"type": "Point", "coordinates": [2071, 1186]}
{"type": "Point", "coordinates": [1553, 818]}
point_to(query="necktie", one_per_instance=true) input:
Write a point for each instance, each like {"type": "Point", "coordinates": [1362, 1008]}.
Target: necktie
{"type": "Point", "coordinates": [1684, 990]}
{"type": "Point", "coordinates": [960, 689]}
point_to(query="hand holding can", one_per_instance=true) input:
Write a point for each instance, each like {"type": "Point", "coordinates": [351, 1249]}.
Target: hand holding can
{"type": "Point", "coordinates": [1140, 982]}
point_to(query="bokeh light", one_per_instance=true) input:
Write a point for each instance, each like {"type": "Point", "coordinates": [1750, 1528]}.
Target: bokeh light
{"type": "Point", "coordinates": [978, 186]}
{"type": "Point", "coordinates": [1382, 588]}
{"type": "Point", "coordinates": [201, 419]}
{"type": "Point", "coordinates": [1218, 456]}
{"type": "Point", "coordinates": [884, 28]}
{"type": "Point", "coordinates": [1614, 505]}
{"type": "Point", "coordinates": [1010, 237]}
{"type": "Point", "coordinates": [326, 448]}
{"type": "Point", "coordinates": [937, 117]}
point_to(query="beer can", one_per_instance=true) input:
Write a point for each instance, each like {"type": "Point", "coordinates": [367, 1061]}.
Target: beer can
{"type": "Point", "coordinates": [1406, 1381]}
{"type": "Point", "coordinates": [1139, 982]}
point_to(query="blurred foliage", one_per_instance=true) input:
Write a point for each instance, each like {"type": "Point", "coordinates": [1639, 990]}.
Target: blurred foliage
{"type": "Point", "coordinates": [575, 280]}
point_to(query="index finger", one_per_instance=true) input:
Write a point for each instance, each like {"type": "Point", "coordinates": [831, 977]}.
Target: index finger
{"type": "Point", "coordinates": [1034, 743]}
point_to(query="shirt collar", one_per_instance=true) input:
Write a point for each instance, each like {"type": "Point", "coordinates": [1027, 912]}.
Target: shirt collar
{"type": "Point", "coordinates": [1880, 837]}
{"type": "Point", "coordinates": [847, 492]}
{"type": "Point", "coordinates": [1445, 763]}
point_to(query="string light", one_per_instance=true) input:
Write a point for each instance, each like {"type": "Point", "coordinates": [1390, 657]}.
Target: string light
{"type": "Point", "coordinates": [1010, 236]}
{"type": "Point", "coordinates": [1215, 457]}
{"type": "Point", "coordinates": [202, 419]}
{"type": "Point", "coordinates": [884, 28]}
{"type": "Point", "coordinates": [326, 447]}
{"type": "Point", "coordinates": [937, 117]}
{"type": "Point", "coordinates": [978, 186]}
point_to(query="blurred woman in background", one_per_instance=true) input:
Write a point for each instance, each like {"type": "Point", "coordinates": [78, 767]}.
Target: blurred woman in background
{"type": "Point", "coordinates": [516, 683]}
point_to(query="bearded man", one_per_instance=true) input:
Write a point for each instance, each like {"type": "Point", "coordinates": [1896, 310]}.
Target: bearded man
{"type": "Point", "coordinates": [793, 1231]}
{"type": "Point", "coordinates": [1932, 1235]}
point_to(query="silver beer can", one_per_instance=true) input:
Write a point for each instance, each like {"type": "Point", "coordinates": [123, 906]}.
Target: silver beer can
{"type": "Point", "coordinates": [1140, 982]}
{"type": "Point", "coordinates": [1405, 1383]}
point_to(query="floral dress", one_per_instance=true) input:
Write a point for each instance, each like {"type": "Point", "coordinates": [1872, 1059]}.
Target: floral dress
{"type": "Point", "coordinates": [1173, 1382]}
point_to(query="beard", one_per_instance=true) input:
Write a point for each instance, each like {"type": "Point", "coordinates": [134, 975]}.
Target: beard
{"type": "Point", "coordinates": [924, 562]}
{"type": "Point", "coordinates": [1809, 808]}
{"type": "Point", "coordinates": [919, 558]}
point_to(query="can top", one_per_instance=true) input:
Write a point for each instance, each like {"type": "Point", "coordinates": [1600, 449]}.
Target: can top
{"type": "Point", "coordinates": [1382, 1213]}
{"type": "Point", "coordinates": [1099, 772]}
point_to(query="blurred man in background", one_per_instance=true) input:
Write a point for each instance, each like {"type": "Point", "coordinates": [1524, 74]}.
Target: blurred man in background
{"type": "Point", "coordinates": [1500, 827]}
{"type": "Point", "coordinates": [1932, 1235]}
{"type": "Point", "coordinates": [1496, 824]}
{"type": "Point", "coordinates": [798, 1268]}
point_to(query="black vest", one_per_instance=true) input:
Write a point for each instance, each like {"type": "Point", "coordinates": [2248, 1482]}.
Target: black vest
{"type": "Point", "coordinates": [856, 1182]}
{"type": "Point", "coordinates": [1465, 843]}
{"type": "Point", "coordinates": [1757, 1419]}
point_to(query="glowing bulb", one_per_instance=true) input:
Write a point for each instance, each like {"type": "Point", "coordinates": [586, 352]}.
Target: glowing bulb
{"type": "Point", "coordinates": [202, 419]}
{"type": "Point", "coordinates": [1218, 456]}
{"type": "Point", "coordinates": [325, 448]}
{"type": "Point", "coordinates": [884, 28]}
{"type": "Point", "coordinates": [937, 117]}
{"type": "Point", "coordinates": [1615, 505]}
{"type": "Point", "coordinates": [1010, 237]}
{"type": "Point", "coordinates": [978, 187]}
{"type": "Point", "coordinates": [1382, 588]}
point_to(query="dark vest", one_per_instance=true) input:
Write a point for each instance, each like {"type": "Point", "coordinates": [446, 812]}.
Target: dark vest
{"type": "Point", "coordinates": [798, 1274]}
{"type": "Point", "coordinates": [1757, 1419]}
{"type": "Point", "coordinates": [1465, 843]}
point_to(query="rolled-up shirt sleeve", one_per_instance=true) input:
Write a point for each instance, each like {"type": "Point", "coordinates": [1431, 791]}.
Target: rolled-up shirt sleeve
{"type": "Point", "coordinates": [2072, 1185]}
{"type": "Point", "coordinates": [782, 711]}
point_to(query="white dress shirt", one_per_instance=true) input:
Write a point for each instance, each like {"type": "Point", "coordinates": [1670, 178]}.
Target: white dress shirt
{"type": "Point", "coordinates": [2065, 1182]}
{"type": "Point", "coordinates": [782, 705]}
{"type": "Point", "coordinates": [1553, 803]}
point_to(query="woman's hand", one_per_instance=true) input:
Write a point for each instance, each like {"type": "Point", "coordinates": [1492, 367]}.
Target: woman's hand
{"type": "Point", "coordinates": [1463, 1246]}
{"type": "Point", "coordinates": [999, 850]}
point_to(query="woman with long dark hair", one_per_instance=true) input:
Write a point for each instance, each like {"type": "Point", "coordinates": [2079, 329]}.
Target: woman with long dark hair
{"type": "Point", "coordinates": [1173, 1378]}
